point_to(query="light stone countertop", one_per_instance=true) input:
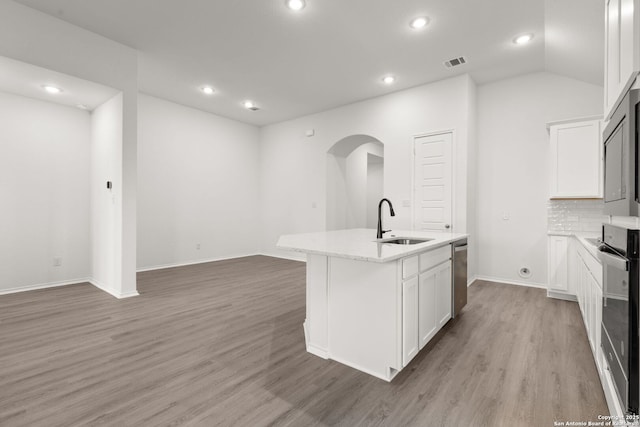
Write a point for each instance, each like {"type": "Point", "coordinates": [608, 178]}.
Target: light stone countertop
{"type": "Point", "coordinates": [581, 237]}
{"type": "Point", "coordinates": [361, 243]}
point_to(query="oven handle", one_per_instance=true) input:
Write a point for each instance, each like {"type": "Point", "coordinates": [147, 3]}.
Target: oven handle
{"type": "Point", "coordinates": [617, 262]}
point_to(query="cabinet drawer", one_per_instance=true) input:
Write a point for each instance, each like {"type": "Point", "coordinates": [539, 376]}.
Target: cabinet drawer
{"type": "Point", "coordinates": [409, 266]}
{"type": "Point", "coordinates": [432, 258]}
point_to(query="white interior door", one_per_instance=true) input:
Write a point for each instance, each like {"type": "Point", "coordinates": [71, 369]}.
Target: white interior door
{"type": "Point", "coordinates": [432, 197]}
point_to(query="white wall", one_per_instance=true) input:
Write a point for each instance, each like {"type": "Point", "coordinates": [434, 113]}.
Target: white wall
{"type": "Point", "coordinates": [337, 199]}
{"type": "Point", "coordinates": [375, 188]}
{"type": "Point", "coordinates": [198, 184]}
{"type": "Point", "coordinates": [472, 182]}
{"type": "Point", "coordinates": [293, 167]}
{"type": "Point", "coordinates": [44, 189]}
{"type": "Point", "coordinates": [106, 204]}
{"type": "Point", "coordinates": [40, 39]}
{"type": "Point", "coordinates": [513, 168]}
{"type": "Point", "coordinates": [348, 186]}
{"type": "Point", "coordinates": [357, 183]}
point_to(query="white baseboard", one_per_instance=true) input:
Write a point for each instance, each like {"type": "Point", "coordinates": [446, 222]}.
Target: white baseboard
{"type": "Point", "coordinates": [199, 261]}
{"type": "Point", "coordinates": [511, 282]}
{"type": "Point", "coordinates": [112, 292]}
{"type": "Point", "coordinates": [562, 295]}
{"type": "Point", "coordinates": [44, 286]}
{"type": "Point", "coordinates": [67, 283]}
{"type": "Point", "coordinates": [300, 258]}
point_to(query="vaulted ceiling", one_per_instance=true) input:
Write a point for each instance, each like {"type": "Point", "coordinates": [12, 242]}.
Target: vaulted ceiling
{"type": "Point", "coordinates": [334, 52]}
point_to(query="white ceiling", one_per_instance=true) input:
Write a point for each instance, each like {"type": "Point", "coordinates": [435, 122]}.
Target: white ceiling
{"type": "Point", "coordinates": [28, 80]}
{"type": "Point", "coordinates": [333, 52]}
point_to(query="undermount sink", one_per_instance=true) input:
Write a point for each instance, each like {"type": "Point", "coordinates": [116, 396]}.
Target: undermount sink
{"type": "Point", "coordinates": [405, 241]}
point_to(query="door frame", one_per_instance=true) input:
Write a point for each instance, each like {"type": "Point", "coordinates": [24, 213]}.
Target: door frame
{"type": "Point", "coordinates": [454, 181]}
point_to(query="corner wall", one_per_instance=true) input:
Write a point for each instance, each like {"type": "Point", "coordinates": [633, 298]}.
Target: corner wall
{"type": "Point", "coordinates": [198, 194]}
{"type": "Point", "coordinates": [472, 182]}
{"type": "Point", "coordinates": [44, 188]}
{"type": "Point", "coordinates": [513, 168]}
{"type": "Point", "coordinates": [106, 204]}
{"type": "Point", "coordinates": [40, 39]}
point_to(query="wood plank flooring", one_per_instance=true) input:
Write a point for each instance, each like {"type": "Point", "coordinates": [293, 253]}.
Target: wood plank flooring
{"type": "Point", "coordinates": [222, 344]}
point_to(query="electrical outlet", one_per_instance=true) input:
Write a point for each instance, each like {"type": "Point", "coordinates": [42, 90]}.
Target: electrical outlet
{"type": "Point", "coordinates": [197, 246]}
{"type": "Point", "coordinates": [57, 261]}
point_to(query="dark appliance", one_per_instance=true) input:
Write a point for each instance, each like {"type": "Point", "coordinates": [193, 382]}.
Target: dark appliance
{"type": "Point", "coordinates": [620, 158]}
{"type": "Point", "coordinates": [459, 261]}
{"type": "Point", "coordinates": [620, 264]}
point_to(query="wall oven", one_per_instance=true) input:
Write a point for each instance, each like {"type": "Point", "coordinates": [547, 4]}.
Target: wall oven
{"type": "Point", "coordinates": [620, 158]}
{"type": "Point", "coordinates": [620, 265]}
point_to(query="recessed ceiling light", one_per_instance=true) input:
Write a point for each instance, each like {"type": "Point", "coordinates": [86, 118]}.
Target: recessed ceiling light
{"type": "Point", "coordinates": [208, 90]}
{"type": "Point", "coordinates": [295, 4]}
{"type": "Point", "coordinates": [419, 22]}
{"type": "Point", "coordinates": [250, 105]}
{"type": "Point", "coordinates": [388, 80]}
{"type": "Point", "coordinates": [82, 106]}
{"type": "Point", "coordinates": [523, 39]}
{"type": "Point", "coordinates": [52, 89]}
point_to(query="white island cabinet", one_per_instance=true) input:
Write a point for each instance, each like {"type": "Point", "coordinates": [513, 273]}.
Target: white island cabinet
{"type": "Point", "coordinates": [373, 305]}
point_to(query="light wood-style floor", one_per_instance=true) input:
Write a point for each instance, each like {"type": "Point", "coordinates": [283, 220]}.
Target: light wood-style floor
{"type": "Point", "coordinates": [222, 344]}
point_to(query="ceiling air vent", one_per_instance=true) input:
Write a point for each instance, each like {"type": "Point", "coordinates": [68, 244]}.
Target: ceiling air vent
{"type": "Point", "coordinates": [455, 62]}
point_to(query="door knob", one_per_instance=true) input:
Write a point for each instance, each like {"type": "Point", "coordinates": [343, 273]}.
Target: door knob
{"type": "Point", "coordinates": [447, 226]}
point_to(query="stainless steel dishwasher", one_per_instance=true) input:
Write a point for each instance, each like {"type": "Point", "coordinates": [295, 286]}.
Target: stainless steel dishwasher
{"type": "Point", "coordinates": [459, 261]}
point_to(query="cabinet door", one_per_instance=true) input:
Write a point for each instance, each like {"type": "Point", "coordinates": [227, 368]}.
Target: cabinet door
{"type": "Point", "coordinates": [557, 263]}
{"type": "Point", "coordinates": [622, 55]}
{"type": "Point", "coordinates": [443, 294]}
{"type": "Point", "coordinates": [572, 266]}
{"type": "Point", "coordinates": [409, 320]}
{"type": "Point", "coordinates": [582, 277]}
{"type": "Point", "coordinates": [427, 307]}
{"type": "Point", "coordinates": [576, 160]}
{"type": "Point", "coordinates": [628, 53]}
{"type": "Point", "coordinates": [595, 314]}
{"type": "Point", "coordinates": [598, 328]}
{"type": "Point", "coordinates": [588, 305]}
{"type": "Point", "coordinates": [612, 56]}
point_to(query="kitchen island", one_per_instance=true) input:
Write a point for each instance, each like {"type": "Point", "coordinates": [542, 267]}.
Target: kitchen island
{"type": "Point", "coordinates": [373, 304]}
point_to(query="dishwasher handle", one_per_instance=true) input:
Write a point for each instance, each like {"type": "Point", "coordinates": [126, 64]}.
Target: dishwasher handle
{"type": "Point", "coordinates": [460, 248]}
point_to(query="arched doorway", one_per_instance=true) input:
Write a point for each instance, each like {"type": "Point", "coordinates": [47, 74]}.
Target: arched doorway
{"type": "Point", "coordinates": [355, 176]}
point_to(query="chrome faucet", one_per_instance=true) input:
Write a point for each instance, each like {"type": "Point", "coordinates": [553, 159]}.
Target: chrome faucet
{"type": "Point", "coordinates": [380, 230]}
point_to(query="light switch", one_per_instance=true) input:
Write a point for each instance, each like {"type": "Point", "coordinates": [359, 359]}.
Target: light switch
{"type": "Point", "coordinates": [505, 216]}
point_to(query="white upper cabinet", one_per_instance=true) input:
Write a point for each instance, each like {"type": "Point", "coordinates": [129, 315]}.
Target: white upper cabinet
{"type": "Point", "coordinates": [576, 160]}
{"type": "Point", "coordinates": [622, 49]}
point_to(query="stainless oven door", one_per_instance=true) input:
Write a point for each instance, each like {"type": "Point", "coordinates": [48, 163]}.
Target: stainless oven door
{"type": "Point", "coordinates": [615, 318]}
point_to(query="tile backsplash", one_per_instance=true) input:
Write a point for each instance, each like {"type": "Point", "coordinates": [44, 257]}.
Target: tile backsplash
{"type": "Point", "coordinates": [575, 215]}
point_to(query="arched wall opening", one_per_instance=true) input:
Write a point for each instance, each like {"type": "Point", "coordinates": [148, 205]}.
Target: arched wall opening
{"type": "Point", "coordinates": [355, 177]}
